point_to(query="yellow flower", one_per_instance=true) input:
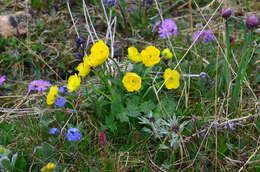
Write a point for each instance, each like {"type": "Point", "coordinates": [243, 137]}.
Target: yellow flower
{"type": "Point", "coordinates": [151, 56]}
{"type": "Point", "coordinates": [134, 55]}
{"type": "Point", "coordinates": [73, 83]}
{"type": "Point", "coordinates": [172, 78]}
{"type": "Point", "coordinates": [52, 95]}
{"type": "Point", "coordinates": [132, 81]}
{"type": "Point", "coordinates": [2, 150]}
{"type": "Point", "coordinates": [83, 69]}
{"type": "Point", "coordinates": [99, 52]}
{"type": "Point", "coordinates": [94, 60]}
{"type": "Point", "coordinates": [166, 53]}
{"type": "Point", "coordinates": [49, 167]}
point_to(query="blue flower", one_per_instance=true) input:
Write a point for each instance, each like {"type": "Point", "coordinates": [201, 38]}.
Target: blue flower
{"type": "Point", "coordinates": [61, 101]}
{"type": "Point", "coordinates": [73, 135]}
{"type": "Point", "coordinates": [63, 89]}
{"type": "Point", "coordinates": [53, 131]}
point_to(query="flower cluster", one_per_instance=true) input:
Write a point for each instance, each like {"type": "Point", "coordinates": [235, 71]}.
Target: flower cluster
{"type": "Point", "coordinates": [2, 79]}
{"type": "Point", "coordinates": [39, 85]}
{"type": "Point", "coordinates": [204, 35]}
{"type": "Point", "coordinates": [73, 135]}
{"type": "Point", "coordinates": [50, 167]}
{"type": "Point", "coordinates": [99, 53]}
{"type": "Point", "coordinates": [165, 28]}
{"type": "Point", "coordinates": [150, 56]}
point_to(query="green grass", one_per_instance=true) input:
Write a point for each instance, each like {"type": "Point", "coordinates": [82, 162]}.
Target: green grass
{"type": "Point", "coordinates": [217, 121]}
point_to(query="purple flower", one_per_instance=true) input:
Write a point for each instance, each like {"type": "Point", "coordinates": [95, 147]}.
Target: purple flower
{"type": "Point", "coordinates": [2, 79]}
{"type": "Point", "coordinates": [204, 35]}
{"type": "Point", "coordinates": [73, 135]}
{"type": "Point", "coordinates": [61, 101]}
{"type": "Point", "coordinates": [252, 21]}
{"type": "Point", "coordinates": [39, 85]}
{"type": "Point", "coordinates": [165, 28]}
{"type": "Point", "coordinates": [53, 131]}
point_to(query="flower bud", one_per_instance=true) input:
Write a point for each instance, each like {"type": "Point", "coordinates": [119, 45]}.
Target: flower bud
{"type": "Point", "coordinates": [80, 40]}
{"type": "Point", "coordinates": [226, 13]}
{"type": "Point", "coordinates": [252, 21]}
{"type": "Point", "coordinates": [166, 53]}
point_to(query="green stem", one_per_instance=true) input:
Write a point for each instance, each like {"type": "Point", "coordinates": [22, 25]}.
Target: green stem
{"type": "Point", "coordinates": [243, 65]}
{"type": "Point", "coordinates": [227, 74]}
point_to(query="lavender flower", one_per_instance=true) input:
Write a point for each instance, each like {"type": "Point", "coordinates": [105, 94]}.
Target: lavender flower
{"type": "Point", "coordinates": [61, 101]}
{"type": "Point", "coordinates": [39, 85]}
{"type": "Point", "coordinates": [53, 131]}
{"type": "Point", "coordinates": [2, 79]}
{"type": "Point", "coordinates": [110, 3]}
{"type": "Point", "coordinates": [73, 135]}
{"type": "Point", "coordinates": [204, 35]}
{"type": "Point", "coordinates": [252, 21]}
{"type": "Point", "coordinates": [165, 28]}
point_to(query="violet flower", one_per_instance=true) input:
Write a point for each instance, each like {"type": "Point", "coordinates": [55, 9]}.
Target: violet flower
{"type": "Point", "coordinates": [204, 35]}
{"type": "Point", "coordinates": [165, 28]}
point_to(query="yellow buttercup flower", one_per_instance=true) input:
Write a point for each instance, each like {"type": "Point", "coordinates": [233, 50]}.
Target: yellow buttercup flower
{"type": "Point", "coordinates": [172, 78]}
{"type": "Point", "coordinates": [73, 83]}
{"type": "Point", "coordinates": [50, 167]}
{"type": "Point", "coordinates": [83, 69]}
{"type": "Point", "coordinates": [134, 55]}
{"type": "Point", "coordinates": [99, 52]}
{"type": "Point", "coordinates": [166, 53]}
{"type": "Point", "coordinates": [94, 60]}
{"type": "Point", "coordinates": [151, 56]}
{"type": "Point", "coordinates": [132, 82]}
{"type": "Point", "coordinates": [52, 95]}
